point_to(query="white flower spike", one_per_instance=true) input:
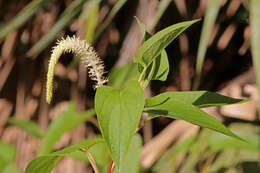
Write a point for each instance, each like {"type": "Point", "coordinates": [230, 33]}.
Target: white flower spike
{"type": "Point", "coordinates": [80, 49]}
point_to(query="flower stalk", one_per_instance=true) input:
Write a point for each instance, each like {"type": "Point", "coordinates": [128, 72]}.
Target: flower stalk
{"type": "Point", "coordinates": [81, 49]}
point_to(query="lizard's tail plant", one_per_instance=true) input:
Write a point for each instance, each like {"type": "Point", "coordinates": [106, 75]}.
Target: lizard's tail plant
{"type": "Point", "coordinates": [80, 49]}
{"type": "Point", "coordinates": [119, 108]}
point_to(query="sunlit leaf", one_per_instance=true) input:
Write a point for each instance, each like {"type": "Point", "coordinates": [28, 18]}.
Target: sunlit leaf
{"type": "Point", "coordinates": [159, 68]}
{"type": "Point", "coordinates": [119, 113]}
{"type": "Point", "coordinates": [179, 109]}
{"type": "Point", "coordinates": [119, 76]}
{"type": "Point", "coordinates": [197, 98]}
{"type": "Point", "coordinates": [45, 163]}
{"type": "Point", "coordinates": [151, 48]}
{"type": "Point", "coordinates": [131, 162]}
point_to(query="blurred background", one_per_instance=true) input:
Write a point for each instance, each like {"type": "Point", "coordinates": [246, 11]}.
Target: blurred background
{"type": "Point", "coordinates": [221, 54]}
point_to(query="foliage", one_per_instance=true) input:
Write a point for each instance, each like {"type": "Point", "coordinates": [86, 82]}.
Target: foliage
{"type": "Point", "coordinates": [119, 111]}
{"type": "Point", "coordinates": [120, 106]}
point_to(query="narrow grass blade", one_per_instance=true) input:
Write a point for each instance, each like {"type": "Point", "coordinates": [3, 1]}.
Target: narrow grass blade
{"type": "Point", "coordinates": [109, 18]}
{"type": "Point", "coordinates": [163, 4]}
{"type": "Point", "coordinates": [29, 126]}
{"type": "Point", "coordinates": [91, 23]}
{"type": "Point", "coordinates": [209, 20]}
{"type": "Point", "coordinates": [255, 38]}
{"type": "Point", "coordinates": [25, 14]}
{"type": "Point", "coordinates": [74, 8]}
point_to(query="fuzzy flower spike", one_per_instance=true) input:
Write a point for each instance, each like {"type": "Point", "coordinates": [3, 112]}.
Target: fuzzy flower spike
{"type": "Point", "coordinates": [81, 50]}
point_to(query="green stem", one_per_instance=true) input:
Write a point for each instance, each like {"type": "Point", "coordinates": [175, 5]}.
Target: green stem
{"type": "Point", "coordinates": [140, 80]}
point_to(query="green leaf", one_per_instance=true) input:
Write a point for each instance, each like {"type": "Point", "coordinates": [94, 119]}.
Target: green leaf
{"type": "Point", "coordinates": [179, 109]}
{"type": "Point", "coordinates": [219, 142]}
{"type": "Point", "coordinates": [197, 98]}
{"type": "Point", "coordinates": [119, 113]}
{"type": "Point", "coordinates": [159, 68]}
{"type": "Point", "coordinates": [11, 168]}
{"type": "Point", "coordinates": [151, 48]}
{"type": "Point", "coordinates": [247, 131]}
{"type": "Point", "coordinates": [7, 154]}
{"type": "Point", "coordinates": [208, 24]}
{"type": "Point", "coordinates": [45, 163]}
{"type": "Point", "coordinates": [101, 155]}
{"type": "Point", "coordinates": [131, 162]}
{"type": "Point", "coordinates": [65, 122]}
{"type": "Point", "coordinates": [119, 76]}
{"type": "Point", "coordinates": [25, 14]}
{"type": "Point", "coordinates": [146, 35]}
{"type": "Point", "coordinates": [29, 126]}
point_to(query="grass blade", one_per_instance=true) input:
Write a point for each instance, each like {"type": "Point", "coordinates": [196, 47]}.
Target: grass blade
{"type": "Point", "coordinates": [63, 21]}
{"type": "Point", "coordinates": [109, 18]}
{"type": "Point", "coordinates": [25, 14]}
{"type": "Point", "coordinates": [29, 126]}
{"type": "Point", "coordinates": [255, 39]}
{"type": "Point", "coordinates": [163, 4]}
{"type": "Point", "coordinates": [210, 17]}
{"type": "Point", "coordinates": [91, 21]}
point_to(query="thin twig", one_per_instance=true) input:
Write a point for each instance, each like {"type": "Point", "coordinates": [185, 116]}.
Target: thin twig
{"type": "Point", "coordinates": [92, 161]}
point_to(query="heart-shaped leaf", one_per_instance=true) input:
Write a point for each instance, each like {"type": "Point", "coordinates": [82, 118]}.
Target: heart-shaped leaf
{"type": "Point", "coordinates": [119, 76]}
{"type": "Point", "coordinates": [131, 162]}
{"type": "Point", "coordinates": [119, 113]}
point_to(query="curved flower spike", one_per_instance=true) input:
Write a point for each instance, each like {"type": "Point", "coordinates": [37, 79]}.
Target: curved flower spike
{"type": "Point", "coordinates": [81, 50]}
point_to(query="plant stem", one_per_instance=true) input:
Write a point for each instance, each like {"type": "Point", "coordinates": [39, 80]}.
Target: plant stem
{"type": "Point", "coordinates": [92, 162]}
{"type": "Point", "coordinates": [140, 80]}
{"type": "Point", "coordinates": [111, 166]}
